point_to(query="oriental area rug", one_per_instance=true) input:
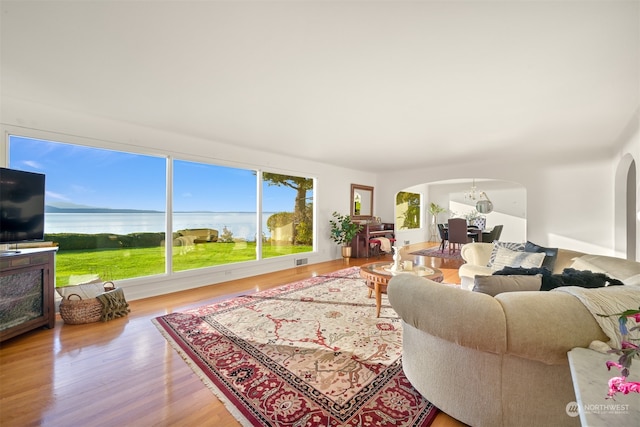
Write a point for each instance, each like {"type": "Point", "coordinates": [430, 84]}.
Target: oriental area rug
{"type": "Point", "coordinates": [435, 253]}
{"type": "Point", "coordinates": [310, 353]}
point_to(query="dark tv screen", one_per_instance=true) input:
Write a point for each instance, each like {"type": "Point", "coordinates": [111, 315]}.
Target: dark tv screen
{"type": "Point", "coordinates": [21, 206]}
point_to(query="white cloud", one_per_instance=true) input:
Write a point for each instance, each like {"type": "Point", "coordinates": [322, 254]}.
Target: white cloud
{"type": "Point", "coordinates": [33, 164]}
{"type": "Point", "coordinates": [57, 196]}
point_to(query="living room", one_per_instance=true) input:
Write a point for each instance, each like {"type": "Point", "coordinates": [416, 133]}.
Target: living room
{"type": "Point", "coordinates": [546, 95]}
{"type": "Point", "coordinates": [571, 165]}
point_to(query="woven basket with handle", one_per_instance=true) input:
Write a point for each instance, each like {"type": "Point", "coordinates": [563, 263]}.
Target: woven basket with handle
{"type": "Point", "coordinates": [78, 311]}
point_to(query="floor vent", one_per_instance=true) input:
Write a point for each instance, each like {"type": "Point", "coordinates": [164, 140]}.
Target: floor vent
{"type": "Point", "coordinates": [301, 261]}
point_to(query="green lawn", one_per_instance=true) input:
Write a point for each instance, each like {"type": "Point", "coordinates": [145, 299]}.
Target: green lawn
{"type": "Point", "coordinates": [117, 264]}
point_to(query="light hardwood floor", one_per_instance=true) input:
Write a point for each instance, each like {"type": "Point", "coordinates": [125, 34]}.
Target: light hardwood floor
{"type": "Point", "coordinates": [123, 372]}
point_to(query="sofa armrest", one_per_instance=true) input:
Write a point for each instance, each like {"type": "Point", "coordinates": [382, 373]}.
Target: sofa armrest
{"type": "Point", "coordinates": [476, 253]}
{"type": "Point", "coordinates": [469, 319]}
{"type": "Point", "coordinates": [544, 326]}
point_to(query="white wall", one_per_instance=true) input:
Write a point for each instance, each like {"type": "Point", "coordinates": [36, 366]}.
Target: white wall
{"type": "Point", "coordinates": [568, 205]}
{"type": "Point", "coordinates": [332, 190]}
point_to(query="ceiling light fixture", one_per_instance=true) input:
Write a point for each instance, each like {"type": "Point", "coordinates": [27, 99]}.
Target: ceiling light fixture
{"type": "Point", "coordinates": [472, 193]}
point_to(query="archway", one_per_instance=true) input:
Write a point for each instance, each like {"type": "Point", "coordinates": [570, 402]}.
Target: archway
{"type": "Point", "coordinates": [626, 208]}
{"type": "Point", "coordinates": [509, 200]}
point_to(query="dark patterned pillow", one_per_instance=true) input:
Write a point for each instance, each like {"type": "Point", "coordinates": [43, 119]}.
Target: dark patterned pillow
{"type": "Point", "coordinates": [513, 246]}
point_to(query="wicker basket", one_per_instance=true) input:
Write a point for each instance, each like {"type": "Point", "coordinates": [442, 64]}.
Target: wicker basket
{"type": "Point", "coordinates": [80, 311]}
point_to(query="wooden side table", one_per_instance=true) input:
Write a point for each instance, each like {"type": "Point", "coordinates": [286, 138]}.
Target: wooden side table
{"type": "Point", "coordinates": [378, 274]}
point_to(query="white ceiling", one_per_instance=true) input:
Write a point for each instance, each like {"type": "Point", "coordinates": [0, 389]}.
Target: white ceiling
{"type": "Point", "coordinates": [420, 82]}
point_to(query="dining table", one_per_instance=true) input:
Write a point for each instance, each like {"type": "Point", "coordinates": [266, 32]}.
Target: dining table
{"type": "Point", "coordinates": [472, 231]}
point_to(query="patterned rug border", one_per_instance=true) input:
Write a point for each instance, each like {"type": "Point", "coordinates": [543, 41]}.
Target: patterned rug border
{"type": "Point", "coordinates": [193, 361]}
{"type": "Point", "coordinates": [435, 253]}
{"type": "Point", "coordinates": [207, 373]}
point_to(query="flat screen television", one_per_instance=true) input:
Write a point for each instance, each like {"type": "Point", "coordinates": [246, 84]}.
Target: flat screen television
{"type": "Point", "coordinates": [21, 206]}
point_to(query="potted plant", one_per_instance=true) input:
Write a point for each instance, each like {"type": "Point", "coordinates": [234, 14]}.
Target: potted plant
{"type": "Point", "coordinates": [435, 209]}
{"type": "Point", "coordinates": [343, 230]}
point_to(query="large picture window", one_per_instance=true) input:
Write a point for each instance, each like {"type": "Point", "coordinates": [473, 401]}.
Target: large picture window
{"type": "Point", "coordinates": [214, 215]}
{"type": "Point", "coordinates": [107, 211]}
{"type": "Point", "coordinates": [288, 202]}
{"type": "Point", "coordinates": [104, 209]}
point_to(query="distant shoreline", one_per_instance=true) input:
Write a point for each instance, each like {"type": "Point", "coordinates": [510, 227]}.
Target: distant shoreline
{"type": "Point", "coordinates": [53, 209]}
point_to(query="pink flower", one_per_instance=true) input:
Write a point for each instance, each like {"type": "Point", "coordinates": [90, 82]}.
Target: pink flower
{"type": "Point", "coordinates": [627, 344]}
{"type": "Point", "coordinates": [611, 363]}
{"type": "Point", "coordinates": [636, 317]}
{"type": "Point", "coordinates": [620, 385]}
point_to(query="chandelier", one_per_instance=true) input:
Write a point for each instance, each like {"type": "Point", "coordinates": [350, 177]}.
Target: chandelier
{"type": "Point", "coordinates": [472, 194]}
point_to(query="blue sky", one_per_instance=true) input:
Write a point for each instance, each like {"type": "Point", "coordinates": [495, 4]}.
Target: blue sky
{"type": "Point", "coordinates": [112, 179]}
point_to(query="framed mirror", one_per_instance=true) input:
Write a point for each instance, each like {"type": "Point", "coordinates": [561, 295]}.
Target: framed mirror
{"type": "Point", "coordinates": [361, 202]}
{"type": "Point", "coordinates": [484, 206]}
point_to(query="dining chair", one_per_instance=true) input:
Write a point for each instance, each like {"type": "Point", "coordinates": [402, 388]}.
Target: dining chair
{"type": "Point", "coordinates": [492, 235]}
{"type": "Point", "coordinates": [480, 222]}
{"type": "Point", "coordinates": [458, 234]}
{"type": "Point", "coordinates": [444, 236]}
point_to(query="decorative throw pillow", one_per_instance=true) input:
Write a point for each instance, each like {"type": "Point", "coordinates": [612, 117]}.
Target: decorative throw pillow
{"type": "Point", "coordinates": [508, 258]}
{"type": "Point", "coordinates": [509, 245]}
{"type": "Point", "coordinates": [550, 254]}
{"type": "Point", "coordinates": [494, 285]}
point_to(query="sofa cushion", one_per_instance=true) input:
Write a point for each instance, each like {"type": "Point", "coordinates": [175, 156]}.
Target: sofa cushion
{"type": "Point", "coordinates": [632, 281]}
{"type": "Point", "coordinates": [550, 253]}
{"type": "Point", "coordinates": [508, 258]}
{"type": "Point", "coordinates": [519, 247]}
{"type": "Point", "coordinates": [494, 285]}
{"type": "Point", "coordinates": [619, 268]}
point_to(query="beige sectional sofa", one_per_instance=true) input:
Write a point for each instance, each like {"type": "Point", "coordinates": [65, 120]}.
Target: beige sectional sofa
{"type": "Point", "coordinates": [498, 361]}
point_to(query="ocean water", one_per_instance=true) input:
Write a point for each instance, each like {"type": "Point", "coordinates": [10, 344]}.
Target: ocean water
{"type": "Point", "coordinates": [241, 224]}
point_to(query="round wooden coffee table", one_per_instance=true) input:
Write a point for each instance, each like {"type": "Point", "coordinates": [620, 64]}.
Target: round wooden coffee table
{"type": "Point", "coordinates": [378, 274]}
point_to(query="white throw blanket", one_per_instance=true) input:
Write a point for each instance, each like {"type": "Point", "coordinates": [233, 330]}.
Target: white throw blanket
{"type": "Point", "coordinates": [609, 300]}
{"type": "Point", "coordinates": [385, 244]}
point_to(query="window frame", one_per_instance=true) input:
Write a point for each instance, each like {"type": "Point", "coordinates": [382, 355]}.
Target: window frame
{"type": "Point", "coordinates": [170, 156]}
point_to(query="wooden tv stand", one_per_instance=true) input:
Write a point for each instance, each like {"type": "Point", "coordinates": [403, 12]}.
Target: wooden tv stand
{"type": "Point", "coordinates": [27, 281]}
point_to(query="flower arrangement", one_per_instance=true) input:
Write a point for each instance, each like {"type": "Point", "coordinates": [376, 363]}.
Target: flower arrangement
{"type": "Point", "coordinates": [627, 352]}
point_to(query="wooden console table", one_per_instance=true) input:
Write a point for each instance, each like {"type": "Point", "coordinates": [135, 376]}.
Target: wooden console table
{"type": "Point", "coordinates": [27, 281]}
